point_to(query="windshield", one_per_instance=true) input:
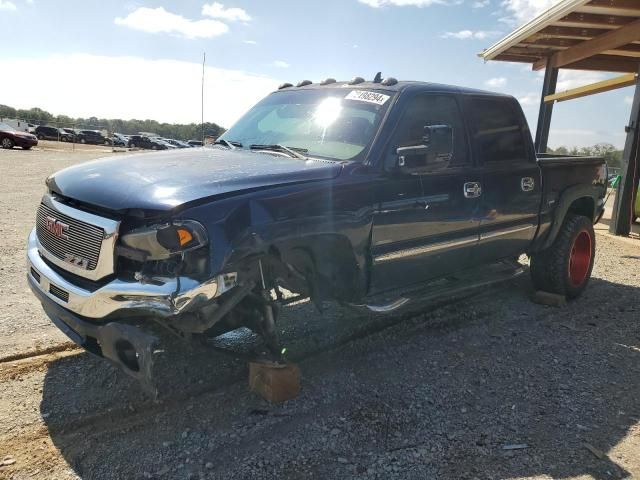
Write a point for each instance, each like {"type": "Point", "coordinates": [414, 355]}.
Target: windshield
{"type": "Point", "coordinates": [335, 123]}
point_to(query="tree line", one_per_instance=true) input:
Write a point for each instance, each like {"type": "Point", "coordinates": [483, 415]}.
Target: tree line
{"type": "Point", "coordinates": [180, 131]}
{"type": "Point", "coordinates": [611, 154]}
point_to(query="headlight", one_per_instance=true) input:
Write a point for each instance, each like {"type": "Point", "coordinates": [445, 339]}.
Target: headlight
{"type": "Point", "coordinates": [160, 242]}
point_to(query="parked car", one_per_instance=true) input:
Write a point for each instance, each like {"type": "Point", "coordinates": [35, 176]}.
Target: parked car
{"type": "Point", "coordinates": [10, 137]}
{"type": "Point", "coordinates": [177, 143]}
{"type": "Point", "coordinates": [119, 140]}
{"type": "Point", "coordinates": [46, 132]}
{"type": "Point", "coordinates": [92, 137]}
{"type": "Point", "coordinates": [148, 143]}
{"type": "Point", "coordinates": [195, 143]}
{"type": "Point", "coordinates": [164, 142]}
{"type": "Point", "coordinates": [350, 190]}
{"type": "Point", "coordinates": [67, 135]}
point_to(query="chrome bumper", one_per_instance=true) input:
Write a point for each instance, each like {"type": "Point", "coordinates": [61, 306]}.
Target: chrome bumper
{"type": "Point", "coordinates": [163, 298]}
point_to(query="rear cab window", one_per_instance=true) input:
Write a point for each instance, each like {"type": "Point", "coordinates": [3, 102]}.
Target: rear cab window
{"type": "Point", "coordinates": [498, 130]}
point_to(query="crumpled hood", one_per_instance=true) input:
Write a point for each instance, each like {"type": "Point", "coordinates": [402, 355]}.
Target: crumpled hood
{"type": "Point", "coordinates": [168, 179]}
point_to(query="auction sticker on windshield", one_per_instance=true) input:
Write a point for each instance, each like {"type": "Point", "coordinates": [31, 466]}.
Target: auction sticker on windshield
{"type": "Point", "coordinates": [365, 96]}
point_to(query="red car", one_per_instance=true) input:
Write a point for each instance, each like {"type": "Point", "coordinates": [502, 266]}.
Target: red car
{"type": "Point", "coordinates": [10, 137]}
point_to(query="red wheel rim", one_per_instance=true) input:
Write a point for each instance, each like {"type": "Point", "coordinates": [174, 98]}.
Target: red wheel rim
{"type": "Point", "coordinates": [580, 259]}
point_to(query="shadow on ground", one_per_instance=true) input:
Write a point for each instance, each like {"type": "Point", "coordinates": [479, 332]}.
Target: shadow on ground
{"type": "Point", "coordinates": [490, 387]}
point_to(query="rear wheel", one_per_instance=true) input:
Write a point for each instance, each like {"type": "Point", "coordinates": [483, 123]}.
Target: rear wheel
{"type": "Point", "coordinates": [565, 267]}
{"type": "Point", "coordinates": [7, 143]}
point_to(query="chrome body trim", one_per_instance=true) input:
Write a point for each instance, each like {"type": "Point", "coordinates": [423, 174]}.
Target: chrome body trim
{"type": "Point", "coordinates": [163, 298]}
{"type": "Point", "coordinates": [105, 264]}
{"type": "Point", "coordinates": [434, 247]}
{"type": "Point", "coordinates": [500, 233]}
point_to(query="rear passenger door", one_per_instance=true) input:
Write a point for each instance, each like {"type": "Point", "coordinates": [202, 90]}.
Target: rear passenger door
{"type": "Point", "coordinates": [511, 181]}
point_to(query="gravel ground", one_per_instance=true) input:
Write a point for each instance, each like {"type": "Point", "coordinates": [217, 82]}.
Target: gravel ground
{"type": "Point", "coordinates": [491, 386]}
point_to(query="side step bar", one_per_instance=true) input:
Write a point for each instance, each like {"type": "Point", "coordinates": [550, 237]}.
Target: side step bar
{"type": "Point", "coordinates": [462, 285]}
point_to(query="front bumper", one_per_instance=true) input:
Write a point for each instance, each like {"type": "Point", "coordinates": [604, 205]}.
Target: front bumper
{"type": "Point", "coordinates": [164, 297]}
{"type": "Point", "coordinates": [25, 141]}
{"type": "Point", "coordinates": [126, 346]}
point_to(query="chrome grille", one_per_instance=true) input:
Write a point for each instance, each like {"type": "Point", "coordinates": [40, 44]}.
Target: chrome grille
{"type": "Point", "coordinates": [82, 239]}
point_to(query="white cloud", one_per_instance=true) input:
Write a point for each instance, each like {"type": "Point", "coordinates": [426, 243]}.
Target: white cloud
{"type": "Point", "coordinates": [480, 4]}
{"type": "Point", "coordinates": [232, 14]}
{"type": "Point", "coordinates": [496, 82]}
{"type": "Point", "coordinates": [568, 79]}
{"type": "Point", "coordinates": [129, 87]}
{"type": "Point", "coordinates": [405, 3]}
{"type": "Point", "coordinates": [529, 100]}
{"type": "Point", "coordinates": [7, 5]}
{"type": "Point", "coordinates": [280, 64]}
{"type": "Point", "coordinates": [470, 34]}
{"type": "Point", "coordinates": [250, 42]}
{"type": "Point", "coordinates": [158, 20]}
{"type": "Point", "coordinates": [521, 11]}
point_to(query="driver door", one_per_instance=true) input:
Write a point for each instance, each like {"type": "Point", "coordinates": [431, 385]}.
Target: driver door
{"type": "Point", "coordinates": [433, 226]}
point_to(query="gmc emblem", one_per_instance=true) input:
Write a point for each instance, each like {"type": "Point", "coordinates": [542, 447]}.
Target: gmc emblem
{"type": "Point", "coordinates": [56, 227]}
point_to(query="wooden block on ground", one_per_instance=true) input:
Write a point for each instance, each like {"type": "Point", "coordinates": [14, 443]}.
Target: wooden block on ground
{"type": "Point", "coordinates": [551, 299]}
{"type": "Point", "coordinates": [275, 382]}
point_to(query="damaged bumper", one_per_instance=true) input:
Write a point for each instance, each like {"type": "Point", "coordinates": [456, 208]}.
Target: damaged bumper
{"type": "Point", "coordinates": [128, 347]}
{"type": "Point", "coordinates": [83, 315]}
{"type": "Point", "coordinates": [164, 297]}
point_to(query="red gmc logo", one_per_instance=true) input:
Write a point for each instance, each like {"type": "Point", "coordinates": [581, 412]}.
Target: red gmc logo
{"type": "Point", "coordinates": [56, 227]}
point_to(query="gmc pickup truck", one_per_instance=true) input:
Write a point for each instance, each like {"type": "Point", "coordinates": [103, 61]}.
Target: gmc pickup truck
{"type": "Point", "coordinates": [332, 191]}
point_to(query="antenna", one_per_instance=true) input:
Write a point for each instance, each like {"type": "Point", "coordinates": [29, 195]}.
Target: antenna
{"type": "Point", "coordinates": [378, 78]}
{"type": "Point", "coordinates": [204, 59]}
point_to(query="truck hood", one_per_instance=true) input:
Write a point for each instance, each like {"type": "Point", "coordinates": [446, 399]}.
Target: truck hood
{"type": "Point", "coordinates": [168, 179]}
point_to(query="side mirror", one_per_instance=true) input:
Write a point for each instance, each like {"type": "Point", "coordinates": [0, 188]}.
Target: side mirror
{"type": "Point", "coordinates": [436, 148]}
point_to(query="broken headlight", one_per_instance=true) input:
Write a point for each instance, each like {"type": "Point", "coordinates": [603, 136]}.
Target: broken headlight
{"type": "Point", "coordinates": [160, 242]}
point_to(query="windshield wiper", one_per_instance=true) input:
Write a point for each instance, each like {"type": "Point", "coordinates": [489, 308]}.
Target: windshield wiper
{"type": "Point", "coordinates": [228, 143]}
{"type": "Point", "coordinates": [292, 151]}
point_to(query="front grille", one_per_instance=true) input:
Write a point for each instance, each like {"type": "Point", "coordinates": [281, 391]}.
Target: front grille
{"type": "Point", "coordinates": [58, 292]}
{"type": "Point", "coordinates": [80, 242]}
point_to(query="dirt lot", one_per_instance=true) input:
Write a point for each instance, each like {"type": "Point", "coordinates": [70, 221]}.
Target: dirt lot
{"type": "Point", "coordinates": [491, 386]}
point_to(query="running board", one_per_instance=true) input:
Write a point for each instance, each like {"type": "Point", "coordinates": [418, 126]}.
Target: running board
{"type": "Point", "coordinates": [463, 284]}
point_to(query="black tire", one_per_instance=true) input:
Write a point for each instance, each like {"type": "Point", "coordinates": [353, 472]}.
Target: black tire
{"type": "Point", "coordinates": [7, 143]}
{"type": "Point", "coordinates": [565, 267]}
{"type": "Point", "coordinates": [40, 136]}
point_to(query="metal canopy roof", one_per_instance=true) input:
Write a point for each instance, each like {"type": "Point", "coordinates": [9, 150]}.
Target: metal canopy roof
{"type": "Point", "coordinates": [577, 34]}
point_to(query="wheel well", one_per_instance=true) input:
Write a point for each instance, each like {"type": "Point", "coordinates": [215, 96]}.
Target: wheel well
{"type": "Point", "coordinates": [584, 206]}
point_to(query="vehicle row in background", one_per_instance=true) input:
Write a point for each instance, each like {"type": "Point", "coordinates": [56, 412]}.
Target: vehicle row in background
{"type": "Point", "coordinates": [96, 137]}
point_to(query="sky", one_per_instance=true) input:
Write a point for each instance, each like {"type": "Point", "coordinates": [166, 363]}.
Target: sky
{"type": "Point", "coordinates": [143, 59]}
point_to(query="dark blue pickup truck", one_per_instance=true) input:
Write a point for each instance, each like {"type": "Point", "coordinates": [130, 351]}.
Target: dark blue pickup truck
{"type": "Point", "coordinates": [332, 191]}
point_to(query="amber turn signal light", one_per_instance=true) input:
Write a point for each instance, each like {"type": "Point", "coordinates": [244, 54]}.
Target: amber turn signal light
{"type": "Point", "coordinates": [184, 236]}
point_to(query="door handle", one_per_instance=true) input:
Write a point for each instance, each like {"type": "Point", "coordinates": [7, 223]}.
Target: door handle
{"type": "Point", "coordinates": [472, 189]}
{"type": "Point", "coordinates": [527, 184]}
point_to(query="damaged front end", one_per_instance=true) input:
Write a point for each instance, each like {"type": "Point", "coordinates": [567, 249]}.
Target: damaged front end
{"type": "Point", "coordinates": [103, 284]}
